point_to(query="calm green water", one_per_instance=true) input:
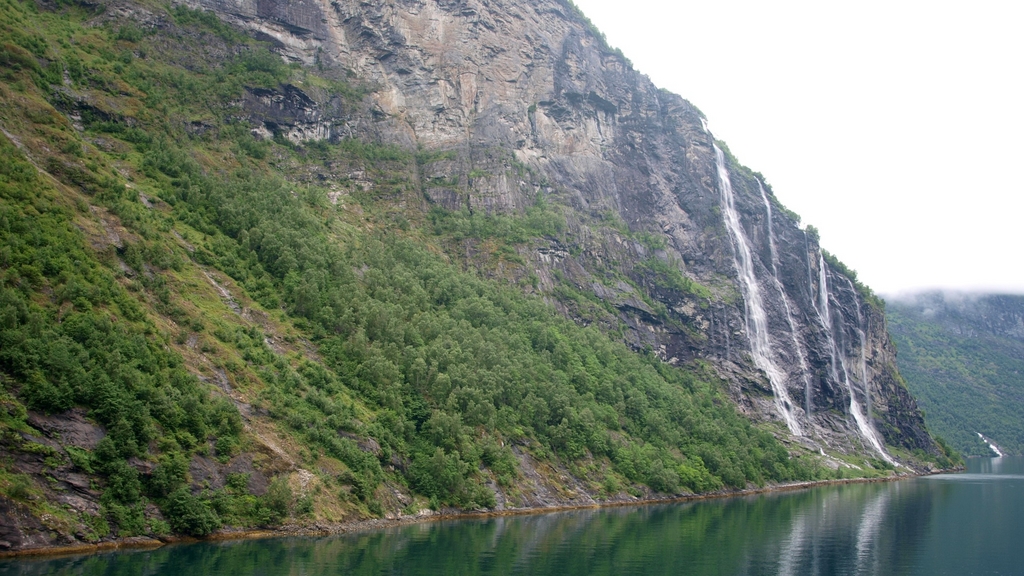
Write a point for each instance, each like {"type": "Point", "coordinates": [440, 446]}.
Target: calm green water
{"type": "Point", "coordinates": [970, 523]}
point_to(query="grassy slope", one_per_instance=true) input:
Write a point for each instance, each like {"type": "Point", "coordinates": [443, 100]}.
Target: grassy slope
{"type": "Point", "coordinates": [964, 384]}
{"type": "Point", "coordinates": [205, 301]}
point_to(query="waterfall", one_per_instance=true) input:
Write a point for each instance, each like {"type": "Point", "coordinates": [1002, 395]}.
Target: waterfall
{"type": "Point", "coordinates": [755, 317]}
{"type": "Point", "coordinates": [991, 446]}
{"type": "Point", "coordinates": [810, 275]}
{"type": "Point", "coordinates": [864, 369]}
{"type": "Point", "coordinates": [861, 331]}
{"type": "Point", "coordinates": [821, 307]}
{"type": "Point", "coordinates": [798, 349]}
{"type": "Point", "coordinates": [863, 425]}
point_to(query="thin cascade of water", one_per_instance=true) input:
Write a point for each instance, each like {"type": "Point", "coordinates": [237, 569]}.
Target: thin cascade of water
{"type": "Point", "coordinates": [810, 275]}
{"type": "Point", "coordinates": [991, 446]}
{"type": "Point", "coordinates": [863, 425]}
{"type": "Point", "coordinates": [866, 432]}
{"type": "Point", "coordinates": [755, 317]}
{"type": "Point", "coordinates": [864, 370]}
{"type": "Point", "coordinates": [865, 381]}
{"type": "Point", "coordinates": [861, 331]}
{"type": "Point", "coordinates": [804, 368]}
{"type": "Point", "coordinates": [821, 307]}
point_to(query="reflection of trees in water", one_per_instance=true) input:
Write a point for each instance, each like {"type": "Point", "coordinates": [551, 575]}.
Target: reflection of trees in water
{"type": "Point", "coordinates": [845, 529]}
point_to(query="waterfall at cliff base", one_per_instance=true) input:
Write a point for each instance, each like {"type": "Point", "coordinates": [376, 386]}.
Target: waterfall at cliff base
{"type": "Point", "coordinates": [837, 352]}
{"type": "Point", "coordinates": [797, 347]}
{"type": "Point", "coordinates": [865, 382]}
{"type": "Point", "coordinates": [861, 333]}
{"type": "Point", "coordinates": [991, 445]}
{"type": "Point", "coordinates": [755, 317]}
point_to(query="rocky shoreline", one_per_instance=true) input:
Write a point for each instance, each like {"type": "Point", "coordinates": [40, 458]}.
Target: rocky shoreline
{"type": "Point", "coordinates": [320, 529]}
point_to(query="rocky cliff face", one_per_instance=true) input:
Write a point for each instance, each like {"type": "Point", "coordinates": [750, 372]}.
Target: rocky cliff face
{"type": "Point", "coordinates": [527, 101]}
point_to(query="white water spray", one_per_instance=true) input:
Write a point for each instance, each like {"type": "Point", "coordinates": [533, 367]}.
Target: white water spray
{"type": "Point", "coordinates": [863, 426]}
{"type": "Point", "coordinates": [756, 319]}
{"type": "Point", "coordinates": [991, 446]}
{"type": "Point", "coordinates": [861, 331]}
{"type": "Point", "coordinates": [797, 348]}
{"type": "Point", "coordinates": [821, 307]}
{"type": "Point", "coordinates": [872, 436]}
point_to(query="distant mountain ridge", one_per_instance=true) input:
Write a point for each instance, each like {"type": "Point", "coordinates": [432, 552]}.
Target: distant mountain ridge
{"type": "Point", "coordinates": [962, 355]}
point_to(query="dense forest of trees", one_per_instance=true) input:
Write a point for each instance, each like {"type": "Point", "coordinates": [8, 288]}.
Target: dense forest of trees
{"type": "Point", "coordinates": [454, 377]}
{"type": "Point", "coordinates": [964, 371]}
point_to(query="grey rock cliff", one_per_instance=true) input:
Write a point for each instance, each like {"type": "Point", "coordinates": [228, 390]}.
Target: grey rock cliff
{"type": "Point", "coordinates": [530, 101]}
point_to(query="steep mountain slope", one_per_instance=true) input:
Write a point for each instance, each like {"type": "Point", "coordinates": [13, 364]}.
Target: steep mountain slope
{"type": "Point", "coordinates": [453, 255]}
{"type": "Point", "coordinates": [963, 357]}
{"type": "Point", "coordinates": [500, 88]}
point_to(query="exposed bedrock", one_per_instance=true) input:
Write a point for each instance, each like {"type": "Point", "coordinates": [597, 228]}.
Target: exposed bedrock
{"type": "Point", "coordinates": [528, 101]}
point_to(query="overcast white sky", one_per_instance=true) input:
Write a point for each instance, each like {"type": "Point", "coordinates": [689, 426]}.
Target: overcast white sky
{"type": "Point", "coordinates": [896, 128]}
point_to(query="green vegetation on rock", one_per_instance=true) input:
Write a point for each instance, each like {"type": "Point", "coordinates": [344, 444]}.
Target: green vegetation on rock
{"type": "Point", "coordinates": [257, 346]}
{"type": "Point", "coordinates": [962, 357]}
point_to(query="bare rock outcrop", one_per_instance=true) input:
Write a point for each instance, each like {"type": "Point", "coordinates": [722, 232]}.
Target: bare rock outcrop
{"type": "Point", "coordinates": [526, 100]}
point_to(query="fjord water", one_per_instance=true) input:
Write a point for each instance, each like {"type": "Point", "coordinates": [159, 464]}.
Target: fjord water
{"type": "Point", "coordinates": [970, 523]}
